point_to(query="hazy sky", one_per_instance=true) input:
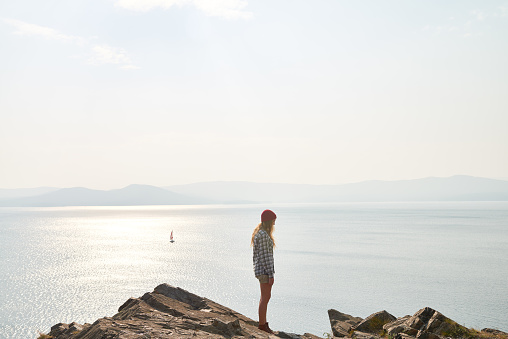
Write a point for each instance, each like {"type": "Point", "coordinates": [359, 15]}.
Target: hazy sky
{"type": "Point", "coordinates": [106, 93]}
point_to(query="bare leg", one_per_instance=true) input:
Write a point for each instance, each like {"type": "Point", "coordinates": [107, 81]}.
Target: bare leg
{"type": "Point", "coordinates": [266, 293]}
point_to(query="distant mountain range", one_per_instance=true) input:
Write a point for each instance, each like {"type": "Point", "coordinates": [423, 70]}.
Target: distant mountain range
{"type": "Point", "coordinates": [24, 192]}
{"type": "Point", "coordinates": [456, 188]}
{"type": "Point", "coordinates": [127, 196]}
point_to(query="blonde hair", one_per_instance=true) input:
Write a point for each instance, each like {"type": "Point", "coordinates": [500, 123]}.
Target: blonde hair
{"type": "Point", "coordinates": [266, 226]}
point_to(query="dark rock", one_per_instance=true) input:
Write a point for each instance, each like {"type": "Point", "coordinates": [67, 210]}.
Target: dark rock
{"type": "Point", "coordinates": [62, 330]}
{"type": "Point", "coordinates": [169, 312]}
{"type": "Point", "coordinates": [431, 321]}
{"type": "Point", "coordinates": [310, 336]}
{"type": "Point", "coordinates": [494, 332]}
{"type": "Point", "coordinates": [403, 336]}
{"type": "Point", "coordinates": [396, 326]}
{"type": "Point", "coordinates": [182, 295]}
{"type": "Point", "coordinates": [374, 323]}
{"type": "Point", "coordinates": [410, 332]}
{"type": "Point", "coordinates": [426, 335]}
{"type": "Point", "coordinates": [58, 329]}
{"type": "Point", "coordinates": [427, 323]}
{"type": "Point", "coordinates": [364, 335]}
{"type": "Point", "coordinates": [341, 323]}
{"type": "Point", "coordinates": [228, 328]}
{"type": "Point", "coordinates": [286, 335]}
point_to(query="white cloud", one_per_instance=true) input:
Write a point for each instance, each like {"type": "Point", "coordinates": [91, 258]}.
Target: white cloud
{"type": "Point", "coordinates": [129, 66]}
{"type": "Point", "coordinates": [146, 5]}
{"type": "Point", "coordinates": [470, 35]}
{"type": "Point", "coordinates": [24, 28]}
{"type": "Point", "coordinates": [229, 9]}
{"type": "Point", "coordinates": [480, 16]}
{"type": "Point", "coordinates": [102, 54]}
{"type": "Point", "coordinates": [440, 29]}
{"type": "Point", "coordinates": [503, 12]}
{"type": "Point", "coordinates": [472, 24]}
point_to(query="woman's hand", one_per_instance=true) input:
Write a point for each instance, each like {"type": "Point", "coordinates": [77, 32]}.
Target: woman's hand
{"type": "Point", "coordinates": [271, 281]}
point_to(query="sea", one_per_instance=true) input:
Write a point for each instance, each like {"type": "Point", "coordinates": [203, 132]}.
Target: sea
{"type": "Point", "coordinates": [79, 264]}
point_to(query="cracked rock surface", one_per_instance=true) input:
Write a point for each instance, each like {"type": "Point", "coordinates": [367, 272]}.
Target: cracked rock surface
{"type": "Point", "coordinates": [169, 312]}
{"type": "Point", "coordinates": [427, 323]}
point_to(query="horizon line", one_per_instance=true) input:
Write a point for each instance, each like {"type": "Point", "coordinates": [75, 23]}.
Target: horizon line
{"type": "Point", "coordinates": [256, 182]}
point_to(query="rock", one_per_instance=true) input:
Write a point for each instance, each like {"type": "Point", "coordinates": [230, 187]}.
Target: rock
{"type": "Point", "coordinates": [374, 323]}
{"type": "Point", "coordinates": [286, 335]}
{"type": "Point", "coordinates": [411, 332]}
{"type": "Point", "coordinates": [169, 312]}
{"type": "Point", "coordinates": [182, 295]}
{"type": "Point", "coordinates": [364, 335]}
{"type": "Point", "coordinates": [494, 332]}
{"type": "Point", "coordinates": [310, 336]}
{"type": "Point", "coordinates": [296, 336]}
{"type": "Point", "coordinates": [426, 335]}
{"type": "Point", "coordinates": [396, 326]}
{"type": "Point", "coordinates": [59, 329]}
{"type": "Point", "coordinates": [425, 324]}
{"type": "Point", "coordinates": [341, 323]}
{"type": "Point", "coordinates": [403, 336]}
{"type": "Point", "coordinates": [67, 329]}
{"type": "Point", "coordinates": [432, 321]}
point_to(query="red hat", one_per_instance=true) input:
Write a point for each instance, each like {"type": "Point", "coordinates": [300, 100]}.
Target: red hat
{"type": "Point", "coordinates": [268, 215]}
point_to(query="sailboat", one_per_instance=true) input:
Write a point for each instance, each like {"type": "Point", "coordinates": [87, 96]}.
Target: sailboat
{"type": "Point", "coordinates": [171, 237]}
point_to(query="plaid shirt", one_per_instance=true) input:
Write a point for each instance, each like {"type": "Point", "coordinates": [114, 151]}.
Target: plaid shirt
{"type": "Point", "coordinates": [263, 255]}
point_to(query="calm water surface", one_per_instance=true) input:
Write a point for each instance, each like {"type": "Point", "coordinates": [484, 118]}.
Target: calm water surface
{"type": "Point", "coordinates": [82, 263]}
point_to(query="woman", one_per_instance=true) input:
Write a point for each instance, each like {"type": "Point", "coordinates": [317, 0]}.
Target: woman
{"type": "Point", "coordinates": [263, 243]}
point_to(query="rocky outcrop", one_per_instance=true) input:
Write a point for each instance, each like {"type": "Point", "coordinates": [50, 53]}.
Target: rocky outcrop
{"type": "Point", "coordinates": [424, 324]}
{"type": "Point", "coordinates": [169, 312]}
{"type": "Point", "coordinates": [342, 322]}
{"type": "Point", "coordinates": [374, 323]}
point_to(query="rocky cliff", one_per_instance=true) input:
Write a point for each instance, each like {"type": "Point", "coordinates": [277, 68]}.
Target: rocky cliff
{"type": "Point", "coordinates": [171, 312]}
